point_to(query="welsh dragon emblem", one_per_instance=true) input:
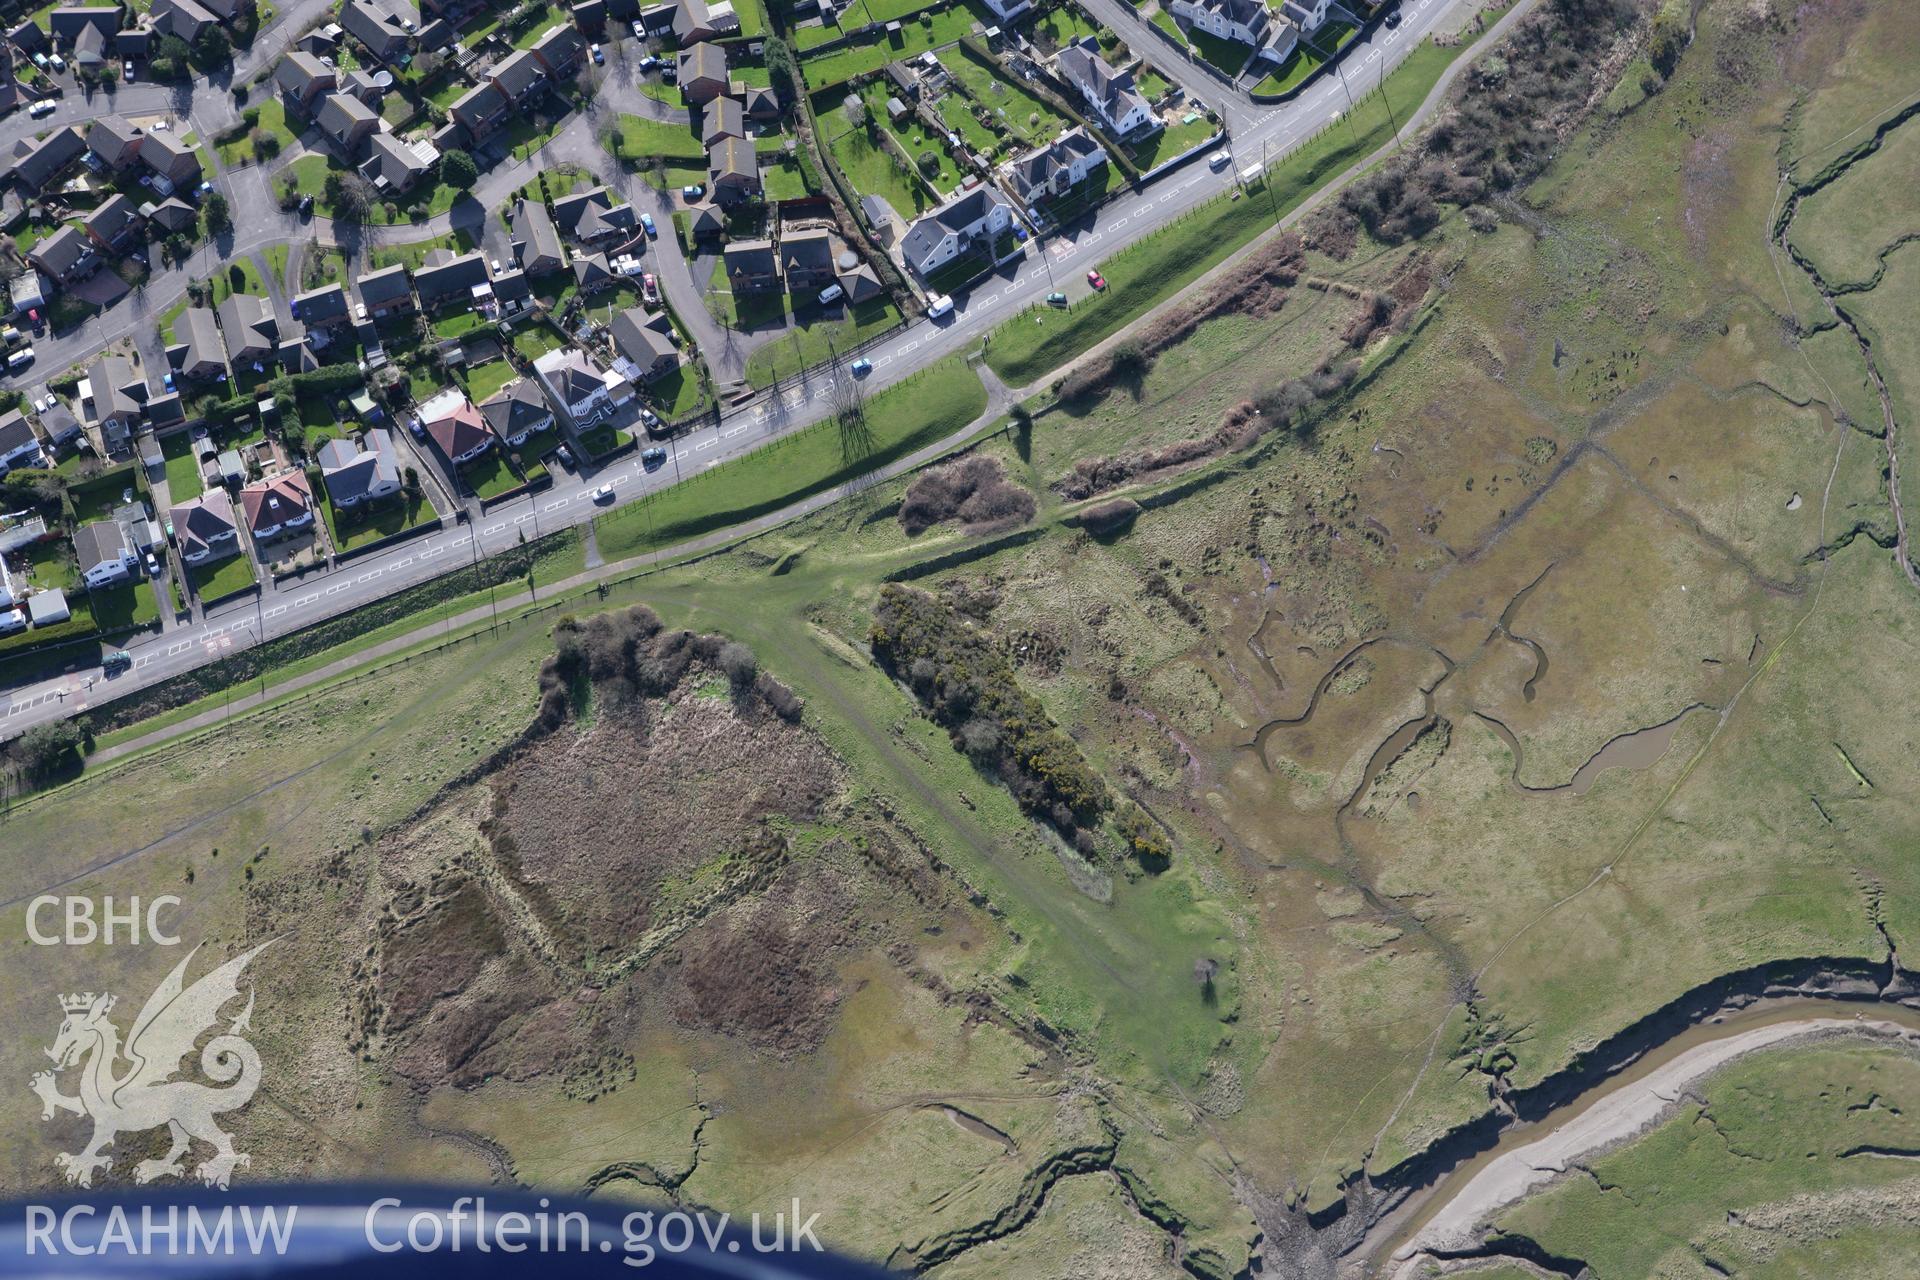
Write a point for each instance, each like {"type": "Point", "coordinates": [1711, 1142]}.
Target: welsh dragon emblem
{"type": "Point", "coordinates": [144, 1093]}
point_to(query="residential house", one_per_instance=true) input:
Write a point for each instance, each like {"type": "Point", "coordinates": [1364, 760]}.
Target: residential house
{"type": "Point", "coordinates": [303, 80]}
{"type": "Point", "coordinates": [860, 282]}
{"type": "Point", "coordinates": [204, 527]}
{"type": "Point", "coordinates": [1307, 15]}
{"type": "Point", "coordinates": [750, 266]}
{"type": "Point", "coordinates": [323, 308]}
{"type": "Point", "coordinates": [68, 24]}
{"type": "Point", "coordinates": [706, 221]}
{"type": "Point", "coordinates": [446, 276]}
{"type": "Point", "coordinates": [724, 118]}
{"type": "Point", "coordinates": [142, 534]}
{"type": "Point", "coordinates": [692, 23]}
{"type": "Point", "coordinates": [103, 553]}
{"type": "Point", "coordinates": [385, 27]}
{"type": "Point", "coordinates": [115, 140]}
{"type": "Point", "coordinates": [171, 214]}
{"type": "Point", "coordinates": [516, 411]}
{"type": "Point", "coordinates": [393, 166]}
{"type": "Point", "coordinates": [363, 472]}
{"type": "Point", "coordinates": [19, 446]}
{"type": "Point", "coordinates": [561, 51]}
{"type": "Point", "coordinates": [592, 274]}
{"type": "Point", "coordinates": [171, 159]}
{"type": "Point", "coordinates": [114, 400]}
{"type": "Point", "coordinates": [806, 259]}
{"type": "Point", "coordinates": [1246, 21]}
{"type": "Point", "coordinates": [456, 426]}
{"type": "Point", "coordinates": [347, 123]}
{"type": "Point", "coordinates": [760, 102]}
{"type": "Point", "coordinates": [252, 330]}
{"type": "Point", "coordinates": [36, 165]}
{"type": "Point", "coordinates": [29, 38]}
{"type": "Point", "coordinates": [650, 351]}
{"type": "Point", "coordinates": [1051, 172]}
{"type": "Point", "coordinates": [733, 171]}
{"type": "Point", "coordinates": [512, 290]}
{"type": "Point", "coordinates": [703, 72]}
{"type": "Point", "coordinates": [197, 354]}
{"type": "Point", "coordinates": [480, 111]}
{"type": "Point", "coordinates": [226, 10]}
{"type": "Point", "coordinates": [591, 217]}
{"type": "Point", "coordinates": [187, 19]}
{"type": "Point", "coordinates": [978, 218]}
{"type": "Point", "coordinates": [114, 225]}
{"type": "Point", "coordinates": [59, 424]}
{"type": "Point", "coordinates": [536, 243]}
{"type": "Point", "coordinates": [386, 292]}
{"type": "Point", "coordinates": [576, 388]}
{"type": "Point", "coordinates": [520, 77]}
{"type": "Point", "coordinates": [1008, 10]}
{"type": "Point", "coordinates": [278, 505]}
{"type": "Point", "coordinates": [66, 257]}
{"type": "Point", "coordinates": [1110, 95]}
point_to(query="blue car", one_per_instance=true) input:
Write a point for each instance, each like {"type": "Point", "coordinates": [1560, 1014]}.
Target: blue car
{"type": "Point", "coordinates": [646, 220]}
{"type": "Point", "coordinates": [861, 367]}
{"type": "Point", "coordinates": [168, 379]}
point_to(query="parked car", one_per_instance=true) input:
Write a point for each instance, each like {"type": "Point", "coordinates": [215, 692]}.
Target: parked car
{"type": "Point", "coordinates": [1056, 299]}
{"type": "Point", "coordinates": [1097, 280]}
{"type": "Point", "coordinates": [861, 367]}
{"type": "Point", "coordinates": [603, 494]}
{"type": "Point", "coordinates": [653, 459]}
{"type": "Point", "coordinates": [20, 359]}
{"type": "Point", "coordinates": [649, 62]}
{"type": "Point", "coordinates": [599, 58]}
{"type": "Point", "coordinates": [360, 312]}
{"type": "Point", "coordinates": [1393, 19]}
{"type": "Point", "coordinates": [418, 428]}
{"type": "Point", "coordinates": [693, 191]}
{"type": "Point", "coordinates": [44, 107]}
{"type": "Point", "coordinates": [649, 419]}
{"type": "Point", "coordinates": [167, 379]}
{"type": "Point", "coordinates": [1219, 160]}
{"type": "Point", "coordinates": [646, 221]}
{"type": "Point", "coordinates": [639, 30]}
{"type": "Point", "coordinates": [938, 305]}
{"type": "Point", "coordinates": [59, 63]}
{"type": "Point", "coordinates": [649, 287]}
{"type": "Point", "coordinates": [153, 565]}
{"type": "Point", "coordinates": [116, 662]}
{"type": "Point", "coordinates": [565, 456]}
{"type": "Point", "coordinates": [306, 206]}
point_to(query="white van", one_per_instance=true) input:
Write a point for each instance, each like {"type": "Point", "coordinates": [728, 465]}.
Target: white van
{"type": "Point", "coordinates": [938, 305]}
{"type": "Point", "coordinates": [830, 295]}
{"type": "Point", "coordinates": [20, 359]}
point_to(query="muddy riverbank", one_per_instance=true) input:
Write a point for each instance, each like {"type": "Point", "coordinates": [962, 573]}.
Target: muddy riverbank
{"type": "Point", "coordinates": [1449, 1222]}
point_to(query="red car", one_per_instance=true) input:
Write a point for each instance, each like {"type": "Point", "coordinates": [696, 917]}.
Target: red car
{"type": "Point", "coordinates": [1097, 280]}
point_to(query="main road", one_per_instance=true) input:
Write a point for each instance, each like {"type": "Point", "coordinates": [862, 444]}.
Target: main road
{"type": "Point", "coordinates": [1055, 262]}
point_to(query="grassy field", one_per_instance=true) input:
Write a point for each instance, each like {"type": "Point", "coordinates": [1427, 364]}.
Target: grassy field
{"type": "Point", "coordinates": [933, 403]}
{"type": "Point", "coordinates": [869, 166]}
{"type": "Point", "coordinates": [917, 36]}
{"type": "Point", "coordinates": [637, 140]}
{"type": "Point", "coordinates": [1147, 273]}
{"type": "Point", "coordinates": [489, 475]}
{"type": "Point", "coordinates": [215, 580]}
{"type": "Point", "coordinates": [357, 527]}
{"type": "Point", "coordinates": [183, 469]}
{"type": "Point", "coordinates": [816, 335]}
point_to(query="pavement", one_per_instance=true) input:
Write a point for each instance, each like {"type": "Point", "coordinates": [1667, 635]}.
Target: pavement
{"type": "Point", "coordinates": [1057, 261]}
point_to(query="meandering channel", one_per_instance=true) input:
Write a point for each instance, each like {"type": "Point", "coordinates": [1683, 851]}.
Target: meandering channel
{"type": "Point", "coordinates": [1445, 1221]}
